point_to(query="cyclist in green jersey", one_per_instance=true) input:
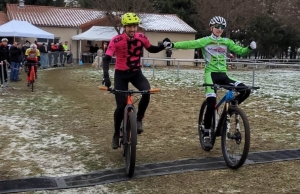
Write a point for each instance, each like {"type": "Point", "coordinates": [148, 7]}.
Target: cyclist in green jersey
{"type": "Point", "coordinates": [214, 49]}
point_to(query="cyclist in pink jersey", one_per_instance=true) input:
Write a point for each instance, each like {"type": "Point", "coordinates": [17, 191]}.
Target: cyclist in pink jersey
{"type": "Point", "coordinates": [128, 48]}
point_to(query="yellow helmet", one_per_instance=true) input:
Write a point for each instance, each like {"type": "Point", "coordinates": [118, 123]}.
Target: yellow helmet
{"type": "Point", "coordinates": [129, 19]}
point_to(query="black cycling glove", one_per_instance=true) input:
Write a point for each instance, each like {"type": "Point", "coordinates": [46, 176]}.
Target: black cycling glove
{"type": "Point", "coordinates": [106, 80]}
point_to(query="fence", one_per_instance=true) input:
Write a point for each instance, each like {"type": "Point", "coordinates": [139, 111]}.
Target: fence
{"type": "Point", "coordinates": [252, 65]}
{"type": "Point", "coordinates": [4, 78]}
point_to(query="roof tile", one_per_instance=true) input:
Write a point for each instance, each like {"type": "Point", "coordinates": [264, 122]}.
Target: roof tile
{"type": "Point", "coordinates": [74, 17]}
{"type": "Point", "coordinates": [3, 18]}
{"type": "Point", "coordinates": [164, 23]}
{"type": "Point", "coordinates": [52, 16]}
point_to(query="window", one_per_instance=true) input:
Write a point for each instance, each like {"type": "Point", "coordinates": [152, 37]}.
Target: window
{"type": "Point", "coordinates": [45, 40]}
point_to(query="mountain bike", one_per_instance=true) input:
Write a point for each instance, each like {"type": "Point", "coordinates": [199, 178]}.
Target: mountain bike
{"type": "Point", "coordinates": [32, 75]}
{"type": "Point", "coordinates": [128, 130]}
{"type": "Point", "coordinates": [228, 124]}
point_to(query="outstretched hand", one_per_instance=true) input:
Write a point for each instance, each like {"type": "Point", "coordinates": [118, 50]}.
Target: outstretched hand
{"type": "Point", "coordinates": [252, 45]}
{"type": "Point", "coordinates": [167, 43]}
{"type": "Point", "coordinates": [106, 81]}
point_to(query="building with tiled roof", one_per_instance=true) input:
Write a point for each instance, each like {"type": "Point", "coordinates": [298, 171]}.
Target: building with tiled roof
{"type": "Point", "coordinates": [3, 18]}
{"type": "Point", "coordinates": [66, 22]}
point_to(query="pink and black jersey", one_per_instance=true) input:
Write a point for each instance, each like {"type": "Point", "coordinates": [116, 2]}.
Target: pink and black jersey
{"type": "Point", "coordinates": [128, 52]}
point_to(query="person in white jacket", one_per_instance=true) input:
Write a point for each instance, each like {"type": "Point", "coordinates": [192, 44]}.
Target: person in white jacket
{"type": "Point", "coordinates": [99, 57]}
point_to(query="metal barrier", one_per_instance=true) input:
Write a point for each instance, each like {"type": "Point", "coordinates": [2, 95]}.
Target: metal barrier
{"type": "Point", "coordinates": [58, 59]}
{"type": "Point", "coordinates": [4, 78]}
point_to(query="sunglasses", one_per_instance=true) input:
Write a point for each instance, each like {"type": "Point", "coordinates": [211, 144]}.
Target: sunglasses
{"type": "Point", "coordinates": [219, 26]}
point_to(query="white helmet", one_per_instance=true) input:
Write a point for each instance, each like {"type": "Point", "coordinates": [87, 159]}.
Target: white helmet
{"type": "Point", "coordinates": [217, 20]}
{"type": "Point", "coordinates": [4, 40]}
{"type": "Point", "coordinates": [33, 46]}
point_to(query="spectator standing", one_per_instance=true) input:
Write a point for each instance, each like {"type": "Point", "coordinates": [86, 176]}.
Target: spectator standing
{"type": "Point", "coordinates": [91, 49]}
{"type": "Point", "coordinates": [196, 56]}
{"type": "Point", "coordinates": [25, 47]}
{"type": "Point", "coordinates": [96, 48]}
{"type": "Point", "coordinates": [15, 53]}
{"type": "Point", "coordinates": [54, 50]}
{"type": "Point", "coordinates": [66, 52]}
{"type": "Point", "coordinates": [168, 54]}
{"type": "Point", "coordinates": [4, 58]}
{"type": "Point", "coordinates": [100, 56]}
{"type": "Point", "coordinates": [50, 55]}
{"type": "Point", "coordinates": [44, 56]}
{"type": "Point", "coordinates": [105, 47]}
{"type": "Point", "coordinates": [61, 51]}
{"type": "Point", "coordinates": [37, 44]}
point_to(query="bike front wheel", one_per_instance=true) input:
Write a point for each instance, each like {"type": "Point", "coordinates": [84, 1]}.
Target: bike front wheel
{"type": "Point", "coordinates": [235, 138]}
{"type": "Point", "coordinates": [32, 83]}
{"type": "Point", "coordinates": [130, 146]}
{"type": "Point", "coordinates": [32, 78]}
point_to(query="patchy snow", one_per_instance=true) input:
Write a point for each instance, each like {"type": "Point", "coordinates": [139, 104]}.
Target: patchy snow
{"type": "Point", "coordinates": [33, 141]}
{"type": "Point", "coordinates": [28, 141]}
{"type": "Point", "coordinates": [99, 189]}
{"type": "Point", "coordinates": [274, 84]}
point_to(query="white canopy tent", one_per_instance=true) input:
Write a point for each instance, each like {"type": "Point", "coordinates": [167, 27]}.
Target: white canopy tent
{"type": "Point", "coordinates": [16, 28]}
{"type": "Point", "coordinates": [96, 33]}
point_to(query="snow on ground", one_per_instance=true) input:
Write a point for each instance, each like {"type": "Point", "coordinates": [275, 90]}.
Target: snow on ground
{"type": "Point", "coordinates": [32, 137]}
{"type": "Point", "coordinates": [275, 84]}
{"type": "Point", "coordinates": [98, 189]}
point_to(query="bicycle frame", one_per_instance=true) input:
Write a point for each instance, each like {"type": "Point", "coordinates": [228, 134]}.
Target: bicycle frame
{"type": "Point", "coordinates": [32, 73]}
{"type": "Point", "coordinates": [129, 107]}
{"type": "Point", "coordinates": [229, 96]}
{"type": "Point", "coordinates": [129, 104]}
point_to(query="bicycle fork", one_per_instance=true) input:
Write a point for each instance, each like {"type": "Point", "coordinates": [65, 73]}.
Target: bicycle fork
{"type": "Point", "coordinates": [128, 108]}
{"type": "Point", "coordinates": [237, 135]}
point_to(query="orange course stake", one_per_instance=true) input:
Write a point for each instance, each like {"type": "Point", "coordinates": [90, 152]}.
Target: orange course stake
{"type": "Point", "coordinates": [103, 88]}
{"type": "Point", "coordinates": [155, 90]}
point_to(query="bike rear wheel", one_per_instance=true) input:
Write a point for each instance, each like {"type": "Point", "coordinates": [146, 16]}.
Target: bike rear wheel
{"type": "Point", "coordinates": [32, 78]}
{"type": "Point", "coordinates": [32, 83]}
{"type": "Point", "coordinates": [130, 147]}
{"type": "Point", "coordinates": [201, 128]}
{"type": "Point", "coordinates": [237, 136]}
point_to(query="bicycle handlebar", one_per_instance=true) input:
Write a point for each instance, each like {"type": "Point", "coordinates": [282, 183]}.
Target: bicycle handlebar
{"type": "Point", "coordinates": [112, 90]}
{"type": "Point", "coordinates": [229, 87]}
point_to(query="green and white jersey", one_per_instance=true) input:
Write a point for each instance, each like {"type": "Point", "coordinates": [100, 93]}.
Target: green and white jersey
{"type": "Point", "coordinates": [214, 50]}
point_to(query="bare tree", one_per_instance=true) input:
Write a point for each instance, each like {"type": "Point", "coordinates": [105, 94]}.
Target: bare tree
{"type": "Point", "coordinates": [113, 9]}
{"type": "Point", "coordinates": [236, 12]}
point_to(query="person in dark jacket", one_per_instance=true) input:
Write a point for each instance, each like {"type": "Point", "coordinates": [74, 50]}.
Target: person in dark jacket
{"type": "Point", "coordinates": [61, 51]}
{"type": "Point", "coordinates": [44, 56]}
{"type": "Point", "coordinates": [196, 56]}
{"type": "Point", "coordinates": [168, 54]}
{"type": "Point", "coordinates": [15, 52]}
{"type": "Point", "coordinates": [24, 48]}
{"type": "Point", "coordinates": [55, 52]}
{"type": "Point", "coordinates": [4, 59]}
{"type": "Point", "coordinates": [50, 55]}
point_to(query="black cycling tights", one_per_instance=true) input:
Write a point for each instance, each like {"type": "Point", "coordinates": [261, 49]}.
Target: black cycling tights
{"type": "Point", "coordinates": [121, 81]}
{"type": "Point", "coordinates": [222, 78]}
